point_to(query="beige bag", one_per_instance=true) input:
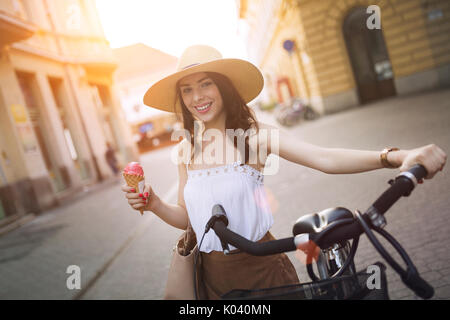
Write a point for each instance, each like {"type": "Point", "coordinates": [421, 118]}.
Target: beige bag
{"type": "Point", "coordinates": [180, 282]}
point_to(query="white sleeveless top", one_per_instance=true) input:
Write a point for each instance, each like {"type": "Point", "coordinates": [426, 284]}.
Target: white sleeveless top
{"type": "Point", "coordinates": [240, 191]}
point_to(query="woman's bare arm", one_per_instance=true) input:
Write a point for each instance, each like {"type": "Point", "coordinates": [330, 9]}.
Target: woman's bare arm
{"type": "Point", "coordinates": [173, 214]}
{"type": "Point", "coordinates": [345, 161]}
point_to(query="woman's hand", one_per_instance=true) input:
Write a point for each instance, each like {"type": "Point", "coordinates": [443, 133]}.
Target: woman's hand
{"type": "Point", "coordinates": [146, 200]}
{"type": "Point", "coordinates": [431, 157]}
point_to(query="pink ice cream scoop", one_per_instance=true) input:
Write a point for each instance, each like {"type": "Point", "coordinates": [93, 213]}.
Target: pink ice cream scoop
{"type": "Point", "coordinates": [134, 168]}
{"type": "Point", "coordinates": [134, 177]}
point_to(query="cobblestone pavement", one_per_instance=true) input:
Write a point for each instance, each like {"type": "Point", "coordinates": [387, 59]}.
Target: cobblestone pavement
{"type": "Point", "coordinates": [88, 232]}
{"type": "Point", "coordinates": [125, 256]}
{"type": "Point", "coordinates": [421, 223]}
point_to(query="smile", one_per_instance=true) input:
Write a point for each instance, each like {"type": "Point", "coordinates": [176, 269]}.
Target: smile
{"type": "Point", "coordinates": [204, 108]}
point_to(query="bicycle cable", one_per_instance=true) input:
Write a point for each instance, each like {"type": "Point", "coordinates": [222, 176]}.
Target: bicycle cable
{"type": "Point", "coordinates": [208, 227]}
{"type": "Point", "coordinates": [195, 265]}
{"type": "Point", "coordinates": [376, 243]}
{"type": "Point", "coordinates": [411, 270]}
{"type": "Point", "coordinates": [317, 240]}
{"type": "Point", "coordinates": [342, 269]}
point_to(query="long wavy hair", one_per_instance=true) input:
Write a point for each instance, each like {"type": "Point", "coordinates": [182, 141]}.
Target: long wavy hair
{"type": "Point", "coordinates": [238, 114]}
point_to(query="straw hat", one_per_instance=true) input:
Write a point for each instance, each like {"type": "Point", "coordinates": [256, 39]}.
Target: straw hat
{"type": "Point", "coordinates": [246, 78]}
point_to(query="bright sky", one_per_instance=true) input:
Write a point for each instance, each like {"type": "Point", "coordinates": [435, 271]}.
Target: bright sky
{"type": "Point", "coordinates": [173, 25]}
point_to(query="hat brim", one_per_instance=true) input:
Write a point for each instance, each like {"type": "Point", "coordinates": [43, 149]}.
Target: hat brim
{"type": "Point", "coordinates": [246, 78]}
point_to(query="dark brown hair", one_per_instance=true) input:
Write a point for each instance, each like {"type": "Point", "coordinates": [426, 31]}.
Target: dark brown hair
{"type": "Point", "coordinates": [238, 114]}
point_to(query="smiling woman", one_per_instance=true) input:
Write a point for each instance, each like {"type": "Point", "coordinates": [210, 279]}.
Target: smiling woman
{"type": "Point", "coordinates": [201, 96]}
{"type": "Point", "coordinates": [216, 91]}
{"type": "Point", "coordinates": [172, 25]}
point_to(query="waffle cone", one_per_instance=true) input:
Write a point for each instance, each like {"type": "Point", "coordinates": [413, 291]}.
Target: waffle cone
{"type": "Point", "coordinates": [133, 180]}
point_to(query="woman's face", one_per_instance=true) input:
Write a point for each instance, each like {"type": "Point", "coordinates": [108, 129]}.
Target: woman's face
{"type": "Point", "coordinates": [201, 96]}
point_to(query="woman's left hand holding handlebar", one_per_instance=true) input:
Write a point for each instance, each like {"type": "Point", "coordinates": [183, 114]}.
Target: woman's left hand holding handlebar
{"type": "Point", "coordinates": [430, 156]}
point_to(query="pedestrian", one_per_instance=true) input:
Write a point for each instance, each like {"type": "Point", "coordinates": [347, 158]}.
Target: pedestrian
{"type": "Point", "coordinates": [110, 156]}
{"type": "Point", "coordinates": [214, 92]}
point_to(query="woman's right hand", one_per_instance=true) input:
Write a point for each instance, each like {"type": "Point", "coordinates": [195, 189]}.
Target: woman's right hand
{"type": "Point", "coordinates": [141, 201]}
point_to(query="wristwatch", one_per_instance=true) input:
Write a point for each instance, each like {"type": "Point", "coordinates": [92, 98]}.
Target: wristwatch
{"type": "Point", "coordinates": [383, 157]}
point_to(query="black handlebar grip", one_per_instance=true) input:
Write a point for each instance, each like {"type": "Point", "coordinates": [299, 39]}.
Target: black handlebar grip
{"type": "Point", "coordinates": [418, 171]}
{"type": "Point", "coordinates": [403, 186]}
{"type": "Point", "coordinates": [418, 285]}
{"type": "Point", "coordinates": [254, 248]}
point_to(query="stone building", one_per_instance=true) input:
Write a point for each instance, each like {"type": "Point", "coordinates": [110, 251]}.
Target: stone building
{"type": "Point", "coordinates": [58, 104]}
{"type": "Point", "coordinates": [140, 66]}
{"type": "Point", "coordinates": [341, 57]}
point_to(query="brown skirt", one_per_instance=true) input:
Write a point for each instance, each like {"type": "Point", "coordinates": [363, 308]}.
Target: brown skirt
{"type": "Point", "coordinates": [219, 273]}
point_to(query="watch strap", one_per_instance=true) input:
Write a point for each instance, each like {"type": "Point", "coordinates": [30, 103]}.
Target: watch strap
{"type": "Point", "coordinates": [383, 157]}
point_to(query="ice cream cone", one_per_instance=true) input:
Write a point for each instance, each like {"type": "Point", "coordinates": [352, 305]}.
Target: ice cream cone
{"type": "Point", "coordinates": [135, 181]}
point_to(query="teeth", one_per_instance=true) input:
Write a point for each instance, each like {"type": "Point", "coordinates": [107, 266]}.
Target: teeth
{"type": "Point", "coordinates": [204, 107]}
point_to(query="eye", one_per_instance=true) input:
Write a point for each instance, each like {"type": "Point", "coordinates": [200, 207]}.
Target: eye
{"type": "Point", "coordinates": [186, 90]}
{"type": "Point", "coordinates": [206, 83]}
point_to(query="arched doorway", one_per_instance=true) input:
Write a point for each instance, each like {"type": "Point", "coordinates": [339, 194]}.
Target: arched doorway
{"type": "Point", "coordinates": [284, 89]}
{"type": "Point", "coordinates": [369, 57]}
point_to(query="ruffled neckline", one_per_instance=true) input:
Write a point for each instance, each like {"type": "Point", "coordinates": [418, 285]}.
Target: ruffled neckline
{"type": "Point", "coordinates": [236, 166]}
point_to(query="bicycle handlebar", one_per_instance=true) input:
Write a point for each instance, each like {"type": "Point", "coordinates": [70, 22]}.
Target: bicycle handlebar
{"type": "Point", "coordinates": [388, 198]}
{"type": "Point", "coordinates": [404, 183]}
{"type": "Point", "coordinates": [417, 284]}
{"type": "Point", "coordinates": [254, 248]}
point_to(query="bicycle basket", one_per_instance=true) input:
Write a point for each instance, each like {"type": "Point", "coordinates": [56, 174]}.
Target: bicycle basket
{"type": "Point", "coordinates": [348, 287]}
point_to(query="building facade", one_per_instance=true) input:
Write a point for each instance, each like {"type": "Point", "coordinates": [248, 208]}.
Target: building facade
{"type": "Point", "coordinates": [140, 66]}
{"type": "Point", "coordinates": [347, 53]}
{"type": "Point", "coordinates": [58, 104]}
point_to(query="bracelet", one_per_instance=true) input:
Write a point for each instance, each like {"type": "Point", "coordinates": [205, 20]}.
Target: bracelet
{"type": "Point", "coordinates": [383, 157]}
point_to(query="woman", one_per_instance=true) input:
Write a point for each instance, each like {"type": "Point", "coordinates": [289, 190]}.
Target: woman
{"type": "Point", "coordinates": [213, 92]}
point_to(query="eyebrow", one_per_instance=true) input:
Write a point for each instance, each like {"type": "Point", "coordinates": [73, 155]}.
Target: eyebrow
{"type": "Point", "coordinates": [185, 85]}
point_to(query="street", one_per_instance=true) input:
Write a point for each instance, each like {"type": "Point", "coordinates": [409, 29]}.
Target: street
{"type": "Point", "coordinates": [123, 255]}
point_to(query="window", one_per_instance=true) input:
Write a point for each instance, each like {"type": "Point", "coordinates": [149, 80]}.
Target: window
{"type": "Point", "coordinates": [57, 87]}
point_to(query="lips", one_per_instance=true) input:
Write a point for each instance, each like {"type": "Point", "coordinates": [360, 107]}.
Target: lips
{"type": "Point", "coordinates": [203, 108]}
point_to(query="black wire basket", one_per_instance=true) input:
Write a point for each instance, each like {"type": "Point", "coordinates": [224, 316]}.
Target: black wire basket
{"type": "Point", "coordinates": [348, 287]}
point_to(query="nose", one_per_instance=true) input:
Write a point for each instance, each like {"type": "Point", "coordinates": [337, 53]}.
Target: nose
{"type": "Point", "coordinates": [197, 95]}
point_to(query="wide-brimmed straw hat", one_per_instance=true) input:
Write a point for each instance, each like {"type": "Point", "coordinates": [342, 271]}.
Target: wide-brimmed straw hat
{"type": "Point", "coordinates": [246, 77]}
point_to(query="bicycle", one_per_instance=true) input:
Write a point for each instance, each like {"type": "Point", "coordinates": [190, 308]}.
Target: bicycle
{"type": "Point", "coordinates": [290, 114]}
{"type": "Point", "coordinates": [331, 230]}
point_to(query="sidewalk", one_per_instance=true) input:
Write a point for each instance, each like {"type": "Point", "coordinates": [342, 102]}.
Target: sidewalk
{"type": "Point", "coordinates": [17, 222]}
{"type": "Point", "coordinates": [88, 231]}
